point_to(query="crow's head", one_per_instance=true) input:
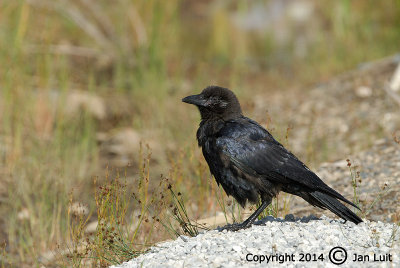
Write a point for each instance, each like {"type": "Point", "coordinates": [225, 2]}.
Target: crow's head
{"type": "Point", "coordinates": [216, 102]}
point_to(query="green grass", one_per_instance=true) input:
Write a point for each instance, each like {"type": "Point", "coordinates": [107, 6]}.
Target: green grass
{"type": "Point", "coordinates": [151, 53]}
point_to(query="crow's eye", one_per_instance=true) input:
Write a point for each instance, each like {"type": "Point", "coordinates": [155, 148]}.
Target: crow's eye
{"type": "Point", "coordinates": [211, 100]}
{"type": "Point", "coordinates": [215, 99]}
{"type": "Point", "coordinates": [216, 102]}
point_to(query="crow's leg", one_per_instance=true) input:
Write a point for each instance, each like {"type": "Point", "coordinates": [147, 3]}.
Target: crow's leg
{"type": "Point", "coordinates": [247, 223]}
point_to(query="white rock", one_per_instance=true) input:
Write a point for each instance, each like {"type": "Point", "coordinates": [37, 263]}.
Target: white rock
{"type": "Point", "coordinates": [363, 92]}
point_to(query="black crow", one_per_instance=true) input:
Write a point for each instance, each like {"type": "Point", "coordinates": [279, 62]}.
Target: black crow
{"type": "Point", "coordinates": [250, 164]}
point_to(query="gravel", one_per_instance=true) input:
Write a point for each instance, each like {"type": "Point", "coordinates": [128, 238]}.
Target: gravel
{"type": "Point", "coordinates": [378, 184]}
{"type": "Point", "coordinates": [288, 242]}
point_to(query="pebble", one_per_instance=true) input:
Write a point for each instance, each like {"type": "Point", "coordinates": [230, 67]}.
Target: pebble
{"type": "Point", "coordinates": [276, 237]}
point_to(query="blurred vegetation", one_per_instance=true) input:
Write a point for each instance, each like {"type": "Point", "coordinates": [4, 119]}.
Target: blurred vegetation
{"type": "Point", "coordinates": [149, 54]}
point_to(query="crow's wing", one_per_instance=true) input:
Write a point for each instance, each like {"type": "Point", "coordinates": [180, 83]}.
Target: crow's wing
{"type": "Point", "coordinates": [253, 150]}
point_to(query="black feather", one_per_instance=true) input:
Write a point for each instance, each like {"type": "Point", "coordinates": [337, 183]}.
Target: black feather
{"type": "Point", "coordinates": [249, 163]}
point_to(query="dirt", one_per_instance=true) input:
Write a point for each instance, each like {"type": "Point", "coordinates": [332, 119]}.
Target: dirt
{"type": "Point", "coordinates": [342, 116]}
{"type": "Point", "coordinates": [377, 175]}
{"type": "Point", "coordinates": [361, 122]}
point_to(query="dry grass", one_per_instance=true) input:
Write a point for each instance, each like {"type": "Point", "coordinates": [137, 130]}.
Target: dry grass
{"type": "Point", "coordinates": [150, 54]}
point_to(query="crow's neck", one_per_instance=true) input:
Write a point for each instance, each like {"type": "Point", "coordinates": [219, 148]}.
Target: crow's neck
{"type": "Point", "coordinates": [207, 117]}
{"type": "Point", "coordinates": [210, 127]}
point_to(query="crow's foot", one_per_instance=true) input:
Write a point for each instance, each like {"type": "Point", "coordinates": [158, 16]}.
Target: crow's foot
{"type": "Point", "coordinates": [234, 227]}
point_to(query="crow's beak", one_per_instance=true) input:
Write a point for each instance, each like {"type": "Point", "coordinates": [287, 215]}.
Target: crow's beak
{"type": "Point", "coordinates": [195, 99]}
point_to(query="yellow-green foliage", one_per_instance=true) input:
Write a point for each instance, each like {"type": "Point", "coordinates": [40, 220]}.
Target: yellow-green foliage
{"type": "Point", "coordinates": [152, 53]}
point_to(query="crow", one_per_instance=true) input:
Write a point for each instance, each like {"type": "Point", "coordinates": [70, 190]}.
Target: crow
{"type": "Point", "coordinates": [250, 164]}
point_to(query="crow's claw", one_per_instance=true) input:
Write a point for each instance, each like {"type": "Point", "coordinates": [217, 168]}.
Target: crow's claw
{"type": "Point", "coordinates": [234, 227]}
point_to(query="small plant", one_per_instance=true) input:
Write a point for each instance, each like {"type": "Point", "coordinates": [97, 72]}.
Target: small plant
{"type": "Point", "coordinates": [111, 243]}
{"type": "Point", "coordinates": [356, 181]}
{"type": "Point", "coordinates": [124, 221]}
{"type": "Point", "coordinates": [355, 177]}
{"type": "Point", "coordinates": [279, 206]}
{"type": "Point", "coordinates": [180, 215]}
{"type": "Point", "coordinates": [383, 190]}
{"type": "Point", "coordinates": [77, 247]}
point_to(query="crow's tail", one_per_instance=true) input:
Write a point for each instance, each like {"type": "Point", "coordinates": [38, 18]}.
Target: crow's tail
{"type": "Point", "coordinates": [325, 201]}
